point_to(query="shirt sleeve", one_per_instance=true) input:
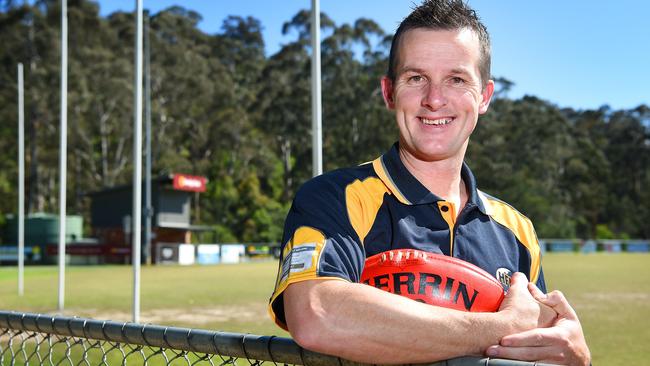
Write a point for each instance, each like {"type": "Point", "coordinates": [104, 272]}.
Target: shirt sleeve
{"type": "Point", "coordinates": [541, 283]}
{"type": "Point", "coordinates": [318, 241]}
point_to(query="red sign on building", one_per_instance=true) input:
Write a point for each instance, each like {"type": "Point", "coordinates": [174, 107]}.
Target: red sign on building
{"type": "Point", "coordinates": [192, 183]}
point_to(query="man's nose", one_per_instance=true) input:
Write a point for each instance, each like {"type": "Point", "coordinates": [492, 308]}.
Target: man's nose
{"type": "Point", "coordinates": [434, 97]}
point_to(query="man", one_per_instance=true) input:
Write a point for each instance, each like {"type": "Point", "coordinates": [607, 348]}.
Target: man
{"type": "Point", "coordinates": [419, 195]}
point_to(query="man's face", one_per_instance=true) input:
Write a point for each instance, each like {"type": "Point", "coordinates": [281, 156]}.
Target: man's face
{"type": "Point", "coordinates": [437, 94]}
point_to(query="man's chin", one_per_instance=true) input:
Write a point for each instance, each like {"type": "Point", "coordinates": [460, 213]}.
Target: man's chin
{"type": "Point", "coordinates": [427, 154]}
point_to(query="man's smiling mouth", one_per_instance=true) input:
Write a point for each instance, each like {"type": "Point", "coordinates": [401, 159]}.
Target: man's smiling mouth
{"type": "Point", "coordinates": [436, 122]}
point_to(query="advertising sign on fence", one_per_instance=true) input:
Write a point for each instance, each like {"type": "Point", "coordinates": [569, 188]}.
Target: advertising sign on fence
{"type": "Point", "coordinates": [232, 253]}
{"type": "Point", "coordinates": [589, 246]}
{"type": "Point", "coordinates": [186, 254]}
{"type": "Point", "coordinates": [638, 246]}
{"type": "Point", "coordinates": [610, 246]}
{"type": "Point", "coordinates": [561, 246]}
{"type": "Point", "coordinates": [208, 254]}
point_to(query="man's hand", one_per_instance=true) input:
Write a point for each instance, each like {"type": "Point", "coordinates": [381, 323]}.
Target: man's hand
{"type": "Point", "coordinates": [563, 343]}
{"type": "Point", "coordinates": [522, 309]}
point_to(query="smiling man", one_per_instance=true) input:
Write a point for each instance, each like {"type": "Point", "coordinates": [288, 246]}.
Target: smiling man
{"type": "Point", "coordinates": [420, 195]}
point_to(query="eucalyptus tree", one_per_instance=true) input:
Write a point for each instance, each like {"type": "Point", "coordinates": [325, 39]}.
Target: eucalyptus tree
{"type": "Point", "coordinates": [99, 97]}
{"type": "Point", "coordinates": [12, 36]}
{"type": "Point", "coordinates": [588, 171]}
{"type": "Point", "coordinates": [284, 102]}
{"type": "Point", "coordinates": [519, 153]}
{"type": "Point", "coordinates": [628, 153]}
{"type": "Point", "coordinates": [245, 192]}
{"type": "Point", "coordinates": [357, 126]}
{"type": "Point", "coordinates": [29, 34]}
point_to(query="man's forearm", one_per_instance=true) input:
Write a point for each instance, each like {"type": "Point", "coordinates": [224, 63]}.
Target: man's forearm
{"type": "Point", "coordinates": [363, 324]}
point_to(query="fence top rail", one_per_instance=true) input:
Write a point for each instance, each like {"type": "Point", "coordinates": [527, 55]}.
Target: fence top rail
{"type": "Point", "coordinates": [275, 349]}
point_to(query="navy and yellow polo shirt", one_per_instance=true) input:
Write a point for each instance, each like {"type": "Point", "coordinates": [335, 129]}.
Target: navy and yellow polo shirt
{"type": "Point", "coordinates": [340, 218]}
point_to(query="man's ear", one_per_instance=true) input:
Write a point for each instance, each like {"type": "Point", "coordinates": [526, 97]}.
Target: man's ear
{"type": "Point", "coordinates": [387, 92]}
{"type": "Point", "coordinates": [486, 97]}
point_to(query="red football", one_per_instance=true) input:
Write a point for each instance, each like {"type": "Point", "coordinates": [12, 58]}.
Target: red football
{"type": "Point", "coordinates": [434, 279]}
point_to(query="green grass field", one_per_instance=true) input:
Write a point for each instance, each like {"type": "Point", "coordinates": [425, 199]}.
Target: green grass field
{"type": "Point", "coordinates": [610, 292]}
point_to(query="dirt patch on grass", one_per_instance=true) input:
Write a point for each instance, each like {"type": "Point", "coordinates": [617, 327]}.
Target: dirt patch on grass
{"type": "Point", "coordinates": [191, 316]}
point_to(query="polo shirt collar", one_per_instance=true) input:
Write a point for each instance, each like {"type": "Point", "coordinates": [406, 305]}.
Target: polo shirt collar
{"type": "Point", "coordinates": [408, 190]}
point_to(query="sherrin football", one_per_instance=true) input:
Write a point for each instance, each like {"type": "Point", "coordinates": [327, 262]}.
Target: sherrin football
{"type": "Point", "coordinates": [435, 279]}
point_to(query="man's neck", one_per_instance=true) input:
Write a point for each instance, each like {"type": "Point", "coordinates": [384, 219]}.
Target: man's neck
{"type": "Point", "coordinates": [441, 178]}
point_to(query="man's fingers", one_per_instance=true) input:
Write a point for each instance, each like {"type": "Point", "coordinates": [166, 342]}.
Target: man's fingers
{"type": "Point", "coordinates": [517, 288]}
{"type": "Point", "coordinates": [559, 303]}
{"type": "Point", "coordinates": [546, 354]}
{"type": "Point", "coordinates": [538, 337]}
{"type": "Point", "coordinates": [536, 292]}
{"type": "Point", "coordinates": [518, 278]}
{"type": "Point", "coordinates": [548, 314]}
{"type": "Point", "coordinates": [518, 281]}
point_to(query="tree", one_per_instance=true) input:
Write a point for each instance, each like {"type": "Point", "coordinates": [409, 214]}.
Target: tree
{"type": "Point", "coordinates": [628, 153]}
{"type": "Point", "coordinates": [223, 109]}
{"type": "Point", "coordinates": [353, 105]}
{"type": "Point", "coordinates": [100, 97]}
{"type": "Point", "coordinates": [519, 153]}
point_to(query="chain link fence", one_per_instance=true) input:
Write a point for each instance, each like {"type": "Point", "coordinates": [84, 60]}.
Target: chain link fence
{"type": "Point", "coordinates": [35, 339]}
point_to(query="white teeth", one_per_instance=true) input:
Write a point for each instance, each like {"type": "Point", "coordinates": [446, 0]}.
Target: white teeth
{"type": "Point", "coordinates": [437, 122]}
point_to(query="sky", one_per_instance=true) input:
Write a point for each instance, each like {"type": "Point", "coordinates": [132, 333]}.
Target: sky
{"type": "Point", "coordinates": [580, 53]}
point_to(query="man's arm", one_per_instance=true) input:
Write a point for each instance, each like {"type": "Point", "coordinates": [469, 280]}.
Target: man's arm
{"type": "Point", "coordinates": [563, 343]}
{"type": "Point", "coordinates": [361, 323]}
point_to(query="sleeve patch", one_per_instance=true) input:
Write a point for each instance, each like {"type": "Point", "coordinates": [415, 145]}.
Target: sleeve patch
{"type": "Point", "coordinates": [301, 256]}
{"type": "Point", "coordinates": [299, 259]}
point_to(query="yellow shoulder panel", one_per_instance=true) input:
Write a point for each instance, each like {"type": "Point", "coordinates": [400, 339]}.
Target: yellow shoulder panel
{"type": "Point", "coordinates": [523, 229]}
{"type": "Point", "coordinates": [363, 199]}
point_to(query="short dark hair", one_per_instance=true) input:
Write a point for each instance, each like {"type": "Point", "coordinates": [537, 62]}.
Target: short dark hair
{"type": "Point", "coordinates": [443, 15]}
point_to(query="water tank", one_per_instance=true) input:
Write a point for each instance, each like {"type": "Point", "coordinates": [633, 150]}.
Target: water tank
{"type": "Point", "coordinates": [43, 228]}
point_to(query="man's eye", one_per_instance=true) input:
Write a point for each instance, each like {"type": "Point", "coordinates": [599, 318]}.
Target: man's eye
{"type": "Point", "coordinates": [457, 80]}
{"type": "Point", "coordinates": [415, 79]}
